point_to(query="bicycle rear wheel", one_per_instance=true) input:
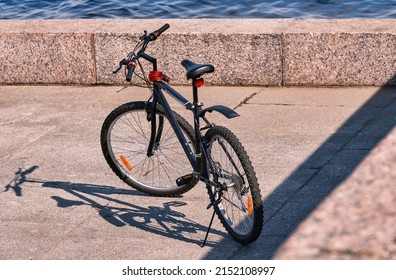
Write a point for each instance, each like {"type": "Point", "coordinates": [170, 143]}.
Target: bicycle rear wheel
{"type": "Point", "coordinates": [125, 138]}
{"type": "Point", "coordinates": [240, 209]}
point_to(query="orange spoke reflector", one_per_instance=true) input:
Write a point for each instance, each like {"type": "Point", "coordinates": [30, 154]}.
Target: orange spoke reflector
{"type": "Point", "coordinates": [250, 205]}
{"type": "Point", "coordinates": [126, 162]}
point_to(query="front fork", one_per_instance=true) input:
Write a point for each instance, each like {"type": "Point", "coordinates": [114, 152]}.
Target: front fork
{"type": "Point", "coordinates": [155, 136]}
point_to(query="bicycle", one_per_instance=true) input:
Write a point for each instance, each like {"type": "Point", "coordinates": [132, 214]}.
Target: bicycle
{"type": "Point", "coordinates": [156, 151]}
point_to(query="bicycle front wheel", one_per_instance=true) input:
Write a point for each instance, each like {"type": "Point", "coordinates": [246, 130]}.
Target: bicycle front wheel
{"type": "Point", "coordinates": [125, 139]}
{"type": "Point", "coordinates": [240, 209]}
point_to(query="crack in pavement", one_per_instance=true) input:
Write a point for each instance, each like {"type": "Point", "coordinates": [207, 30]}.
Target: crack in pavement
{"type": "Point", "coordinates": [245, 101]}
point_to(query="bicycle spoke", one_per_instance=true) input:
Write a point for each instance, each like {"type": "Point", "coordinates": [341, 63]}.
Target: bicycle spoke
{"type": "Point", "coordinates": [165, 170]}
{"type": "Point", "coordinates": [129, 140]}
{"type": "Point", "coordinates": [129, 124]}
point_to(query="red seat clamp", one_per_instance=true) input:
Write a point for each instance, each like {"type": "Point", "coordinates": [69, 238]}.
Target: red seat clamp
{"type": "Point", "coordinates": [155, 76]}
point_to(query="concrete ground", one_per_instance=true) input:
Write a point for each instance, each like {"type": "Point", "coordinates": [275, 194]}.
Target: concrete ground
{"type": "Point", "coordinates": [325, 159]}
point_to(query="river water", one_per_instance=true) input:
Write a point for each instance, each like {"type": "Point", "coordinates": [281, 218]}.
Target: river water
{"type": "Point", "coordinates": [137, 9]}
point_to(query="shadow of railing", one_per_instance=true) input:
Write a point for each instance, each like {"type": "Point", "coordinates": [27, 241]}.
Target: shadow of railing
{"type": "Point", "coordinates": [320, 174]}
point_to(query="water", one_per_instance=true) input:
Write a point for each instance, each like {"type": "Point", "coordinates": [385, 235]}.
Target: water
{"type": "Point", "coordinates": [57, 9]}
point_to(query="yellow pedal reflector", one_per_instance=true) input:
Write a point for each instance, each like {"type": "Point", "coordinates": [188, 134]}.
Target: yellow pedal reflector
{"type": "Point", "coordinates": [126, 162]}
{"type": "Point", "coordinates": [250, 205]}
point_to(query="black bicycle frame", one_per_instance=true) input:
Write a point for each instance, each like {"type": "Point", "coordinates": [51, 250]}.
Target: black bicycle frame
{"type": "Point", "coordinates": [198, 156]}
{"type": "Point", "coordinates": [198, 160]}
{"type": "Point", "coordinates": [158, 97]}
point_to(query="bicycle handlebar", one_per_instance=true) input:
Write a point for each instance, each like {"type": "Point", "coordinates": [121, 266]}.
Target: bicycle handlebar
{"type": "Point", "coordinates": [131, 62]}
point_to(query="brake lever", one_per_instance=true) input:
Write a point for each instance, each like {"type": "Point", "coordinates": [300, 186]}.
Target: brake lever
{"type": "Point", "coordinates": [122, 62]}
{"type": "Point", "coordinates": [144, 36]}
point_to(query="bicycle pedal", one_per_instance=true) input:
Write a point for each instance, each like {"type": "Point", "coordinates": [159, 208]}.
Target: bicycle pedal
{"type": "Point", "coordinates": [186, 179]}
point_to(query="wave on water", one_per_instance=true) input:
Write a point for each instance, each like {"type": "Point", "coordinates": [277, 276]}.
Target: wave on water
{"type": "Point", "coordinates": [138, 9]}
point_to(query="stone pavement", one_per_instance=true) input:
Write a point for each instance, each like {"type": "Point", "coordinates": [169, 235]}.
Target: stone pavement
{"type": "Point", "coordinates": [325, 159]}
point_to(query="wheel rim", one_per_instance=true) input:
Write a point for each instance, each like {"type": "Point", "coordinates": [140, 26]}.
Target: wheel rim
{"type": "Point", "coordinates": [236, 206]}
{"type": "Point", "coordinates": [128, 139]}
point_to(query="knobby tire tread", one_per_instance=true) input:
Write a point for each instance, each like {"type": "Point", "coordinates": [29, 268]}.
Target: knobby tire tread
{"type": "Point", "coordinates": [252, 180]}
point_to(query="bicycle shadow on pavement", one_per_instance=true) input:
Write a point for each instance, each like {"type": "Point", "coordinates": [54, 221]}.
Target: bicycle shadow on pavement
{"type": "Point", "coordinates": [321, 173]}
{"type": "Point", "coordinates": [19, 179]}
{"type": "Point", "coordinates": [161, 220]}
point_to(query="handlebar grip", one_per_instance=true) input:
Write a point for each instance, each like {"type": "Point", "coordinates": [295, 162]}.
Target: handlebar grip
{"type": "Point", "coordinates": [131, 69]}
{"type": "Point", "coordinates": [158, 32]}
{"type": "Point", "coordinates": [163, 29]}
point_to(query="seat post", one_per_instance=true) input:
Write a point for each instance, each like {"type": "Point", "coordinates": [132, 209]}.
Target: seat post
{"type": "Point", "coordinates": [196, 110]}
{"type": "Point", "coordinates": [195, 92]}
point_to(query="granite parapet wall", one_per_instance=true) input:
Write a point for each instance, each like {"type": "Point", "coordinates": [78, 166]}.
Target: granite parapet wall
{"type": "Point", "coordinates": [349, 52]}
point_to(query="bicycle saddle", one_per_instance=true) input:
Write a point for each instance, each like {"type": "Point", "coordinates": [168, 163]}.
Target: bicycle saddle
{"type": "Point", "coordinates": [195, 70]}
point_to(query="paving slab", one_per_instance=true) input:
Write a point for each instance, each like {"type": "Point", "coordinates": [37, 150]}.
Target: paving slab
{"type": "Point", "coordinates": [60, 200]}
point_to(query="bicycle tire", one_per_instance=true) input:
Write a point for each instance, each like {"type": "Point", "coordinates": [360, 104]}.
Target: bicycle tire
{"type": "Point", "coordinates": [240, 209]}
{"type": "Point", "coordinates": [124, 139]}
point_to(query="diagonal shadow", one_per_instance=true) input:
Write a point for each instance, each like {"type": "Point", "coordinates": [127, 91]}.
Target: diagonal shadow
{"type": "Point", "coordinates": [320, 174]}
{"type": "Point", "coordinates": [164, 221]}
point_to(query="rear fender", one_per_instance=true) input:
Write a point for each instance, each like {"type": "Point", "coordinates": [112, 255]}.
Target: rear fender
{"type": "Point", "coordinates": [224, 110]}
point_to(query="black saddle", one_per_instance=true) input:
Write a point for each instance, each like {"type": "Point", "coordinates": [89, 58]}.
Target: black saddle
{"type": "Point", "coordinates": [195, 70]}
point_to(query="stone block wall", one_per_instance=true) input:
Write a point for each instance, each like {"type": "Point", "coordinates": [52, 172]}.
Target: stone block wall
{"type": "Point", "coordinates": [265, 52]}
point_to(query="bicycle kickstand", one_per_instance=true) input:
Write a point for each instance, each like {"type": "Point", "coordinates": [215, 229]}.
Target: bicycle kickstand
{"type": "Point", "coordinates": [209, 227]}
{"type": "Point", "coordinates": [211, 204]}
